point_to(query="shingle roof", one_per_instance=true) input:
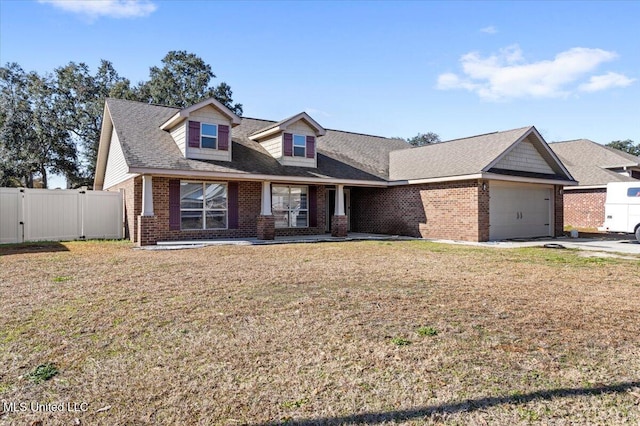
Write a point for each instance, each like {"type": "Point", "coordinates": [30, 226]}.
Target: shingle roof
{"type": "Point", "coordinates": [453, 158]}
{"type": "Point", "coordinates": [341, 155]}
{"type": "Point", "coordinates": [588, 161]}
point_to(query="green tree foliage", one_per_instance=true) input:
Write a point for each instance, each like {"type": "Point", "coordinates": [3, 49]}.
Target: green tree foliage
{"type": "Point", "coordinates": [81, 99]}
{"type": "Point", "coordinates": [626, 145]}
{"type": "Point", "coordinates": [52, 123]}
{"type": "Point", "coordinates": [33, 139]}
{"type": "Point", "coordinates": [184, 80]}
{"type": "Point", "coordinates": [422, 139]}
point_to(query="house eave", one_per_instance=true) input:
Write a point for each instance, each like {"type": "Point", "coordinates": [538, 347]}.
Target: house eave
{"type": "Point", "coordinates": [184, 114]}
{"type": "Point", "coordinates": [579, 187]}
{"type": "Point", "coordinates": [283, 125]}
{"type": "Point", "coordinates": [255, 177]}
{"type": "Point", "coordinates": [511, 178]}
{"type": "Point", "coordinates": [103, 148]}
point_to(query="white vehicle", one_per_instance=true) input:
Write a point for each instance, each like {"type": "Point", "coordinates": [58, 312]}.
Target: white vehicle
{"type": "Point", "coordinates": [622, 208]}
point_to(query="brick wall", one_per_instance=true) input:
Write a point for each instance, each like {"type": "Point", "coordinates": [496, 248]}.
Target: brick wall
{"type": "Point", "coordinates": [249, 195]}
{"type": "Point", "coordinates": [584, 208]}
{"type": "Point", "coordinates": [249, 201]}
{"type": "Point", "coordinates": [321, 225]}
{"type": "Point", "coordinates": [558, 217]}
{"type": "Point", "coordinates": [453, 210]}
{"type": "Point", "coordinates": [132, 197]}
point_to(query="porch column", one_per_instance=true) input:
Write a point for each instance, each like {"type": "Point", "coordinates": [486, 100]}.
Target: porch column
{"type": "Point", "coordinates": [339, 219]}
{"type": "Point", "coordinates": [147, 195]}
{"type": "Point", "coordinates": [266, 223]}
{"type": "Point", "coordinates": [147, 229]}
{"type": "Point", "coordinates": [266, 199]}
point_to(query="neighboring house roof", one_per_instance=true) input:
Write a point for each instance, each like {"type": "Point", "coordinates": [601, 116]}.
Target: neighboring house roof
{"type": "Point", "coordinates": [589, 161]}
{"type": "Point", "coordinates": [341, 155]}
{"type": "Point", "coordinates": [469, 156]}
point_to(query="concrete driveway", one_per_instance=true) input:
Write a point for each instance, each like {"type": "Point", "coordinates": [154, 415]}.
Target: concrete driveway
{"type": "Point", "coordinates": [596, 242]}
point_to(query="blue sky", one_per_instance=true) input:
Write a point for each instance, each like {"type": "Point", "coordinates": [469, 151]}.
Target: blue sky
{"type": "Point", "coordinates": [572, 69]}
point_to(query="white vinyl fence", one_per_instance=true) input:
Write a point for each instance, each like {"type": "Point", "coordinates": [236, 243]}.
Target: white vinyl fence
{"type": "Point", "coordinates": [56, 215]}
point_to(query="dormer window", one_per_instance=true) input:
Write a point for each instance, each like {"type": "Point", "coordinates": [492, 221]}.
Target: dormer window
{"type": "Point", "coordinates": [209, 136]}
{"type": "Point", "coordinates": [299, 146]}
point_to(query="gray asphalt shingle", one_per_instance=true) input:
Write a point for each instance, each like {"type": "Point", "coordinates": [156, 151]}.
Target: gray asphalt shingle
{"type": "Point", "coordinates": [588, 161]}
{"type": "Point", "coordinates": [452, 158]}
{"type": "Point", "coordinates": [341, 155]}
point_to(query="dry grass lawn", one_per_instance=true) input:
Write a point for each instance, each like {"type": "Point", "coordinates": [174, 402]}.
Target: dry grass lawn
{"type": "Point", "coordinates": [332, 333]}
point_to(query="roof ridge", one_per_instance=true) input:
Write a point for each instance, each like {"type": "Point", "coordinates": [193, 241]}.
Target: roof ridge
{"type": "Point", "coordinates": [476, 136]}
{"type": "Point", "coordinates": [366, 134]}
{"type": "Point", "coordinates": [577, 140]}
{"type": "Point", "coordinates": [141, 102]}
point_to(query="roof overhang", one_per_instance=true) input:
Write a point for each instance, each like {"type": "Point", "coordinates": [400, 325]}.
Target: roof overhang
{"type": "Point", "coordinates": [578, 187]}
{"type": "Point", "coordinates": [484, 176]}
{"type": "Point", "coordinates": [183, 114]}
{"type": "Point", "coordinates": [315, 180]}
{"type": "Point", "coordinates": [103, 148]}
{"type": "Point", "coordinates": [282, 126]}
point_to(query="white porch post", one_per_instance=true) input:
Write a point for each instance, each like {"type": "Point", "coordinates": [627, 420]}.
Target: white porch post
{"type": "Point", "coordinates": [266, 199]}
{"type": "Point", "coordinates": [339, 211]}
{"type": "Point", "coordinates": [147, 195]}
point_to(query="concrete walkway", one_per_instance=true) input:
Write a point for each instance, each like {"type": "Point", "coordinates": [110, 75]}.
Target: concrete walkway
{"type": "Point", "coordinates": [602, 243]}
{"type": "Point", "coordinates": [352, 236]}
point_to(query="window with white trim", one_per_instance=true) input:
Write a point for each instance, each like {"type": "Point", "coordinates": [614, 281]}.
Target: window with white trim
{"type": "Point", "coordinates": [290, 206]}
{"type": "Point", "coordinates": [209, 136]}
{"type": "Point", "coordinates": [203, 205]}
{"type": "Point", "coordinates": [299, 146]}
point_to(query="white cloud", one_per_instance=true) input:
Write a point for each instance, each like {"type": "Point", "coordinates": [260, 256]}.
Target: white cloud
{"type": "Point", "coordinates": [507, 75]}
{"type": "Point", "coordinates": [110, 8]}
{"type": "Point", "coordinates": [489, 30]}
{"type": "Point", "coordinates": [606, 81]}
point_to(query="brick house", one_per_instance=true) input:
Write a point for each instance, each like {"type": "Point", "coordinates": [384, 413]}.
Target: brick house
{"type": "Point", "coordinates": [594, 166]}
{"type": "Point", "coordinates": [203, 173]}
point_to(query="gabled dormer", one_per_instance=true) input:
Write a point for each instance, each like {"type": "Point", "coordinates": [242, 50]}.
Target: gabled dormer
{"type": "Point", "coordinates": [292, 141]}
{"type": "Point", "coordinates": [203, 131]}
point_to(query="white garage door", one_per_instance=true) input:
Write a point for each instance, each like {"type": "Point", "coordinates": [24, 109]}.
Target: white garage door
{"type": "Point", "coordinates": [520, 211]}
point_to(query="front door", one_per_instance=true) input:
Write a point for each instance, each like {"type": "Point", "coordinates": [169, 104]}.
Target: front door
{"type": "Point", "coordinates": [331, 207]}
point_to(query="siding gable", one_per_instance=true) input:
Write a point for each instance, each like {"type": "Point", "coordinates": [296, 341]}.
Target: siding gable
{"type": "Point", "coordinates": [117, 169]}
{"type": "Point", "coordinates": [524, 157]}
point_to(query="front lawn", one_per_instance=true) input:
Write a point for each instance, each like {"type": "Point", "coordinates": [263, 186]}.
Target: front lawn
{"type": "Point", "coordinates": [358, 333]}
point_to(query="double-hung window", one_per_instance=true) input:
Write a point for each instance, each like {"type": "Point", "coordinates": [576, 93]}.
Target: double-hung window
{"type": "Point", "coordinates": [299, 146]}
{"type": "Point", "coordinates": [290, 206]}
{"type": "Point", "coordinates": [203, 205]}
{"type": "Point", "coordinates": [209, 136]}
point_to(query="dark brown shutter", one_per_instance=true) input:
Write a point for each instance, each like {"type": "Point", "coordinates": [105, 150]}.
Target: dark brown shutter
{"type": "Point", "coordinates": [232, 204]}
{"type": "Point", "coordinates": [288, 144]}
{"type": "Point", "coordinates": [311, 147]}
{"type": "Point", "coordinates": [223, 137]}
{"type": "Point", "coordinates": [313, 206]}
{"type": "Point", "coordinates": [194, 134]}
{"type": "Point", "coordinates": [174, 204]}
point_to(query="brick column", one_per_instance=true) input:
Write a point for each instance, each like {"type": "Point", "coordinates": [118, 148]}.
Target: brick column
{"type": "Point", "coordinates": [484, 219]}
{"type": "Point", "coordinates": [558, 206]}
{"type": "Point", "coordinates": [266, 227]}
{"type": "Point", "coordinates": [147, 230]}
{"type": "Point", "coordinates": [339, 226]}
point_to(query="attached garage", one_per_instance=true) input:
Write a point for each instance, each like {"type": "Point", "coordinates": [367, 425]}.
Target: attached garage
{"type": "Point", "coordinates": [496, 186]}
{"type": "Point", "coordinates": [520, 210]}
